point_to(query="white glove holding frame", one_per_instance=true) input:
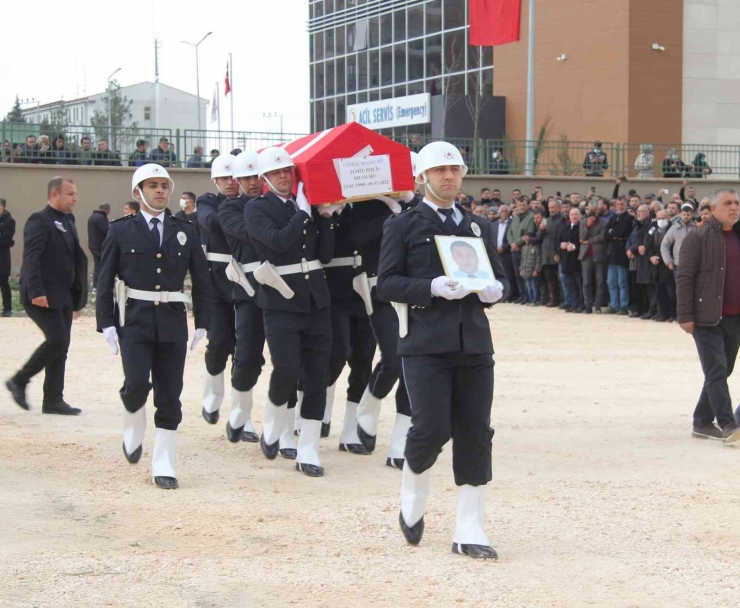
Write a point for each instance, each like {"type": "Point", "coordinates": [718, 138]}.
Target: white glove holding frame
{"type": "Point", "coordinates": [449, 289]}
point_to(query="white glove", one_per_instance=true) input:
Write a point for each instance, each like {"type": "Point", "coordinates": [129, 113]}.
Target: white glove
{"type": "Point", "coordinates": [111, 337]}
{"type": "Point", "coordinates": [449, 289]}
{"type": "Point", "coordinates": [491, 293]}
{"type": "Point", "coordinates": [301, 199]}
{"type": "Point", "coordinates": [199, 333]}
{"type": "Point", "coordinates": [392, 204]}
{"type": "Point", "coordinates": [327, 210]}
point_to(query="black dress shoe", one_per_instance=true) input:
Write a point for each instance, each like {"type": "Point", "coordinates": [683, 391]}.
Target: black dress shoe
{"type": "Point", "coordinates": [475, 551]}
{"type": "Point", "coordinates": [7, 313]}
{"type": "Point", "coordinates": [413, 533]}
{"type": "Point", "coordinates": [210, 418]}
{"type": "Point", "coordinates": [234, 435]}
{"type": "Point", "coordinates": [250, 437]}
{"type": "Point", "coordinates": [395, 463]}
{"type": "Point", "coordinates": [597, 310]}
{"type": "Point", "coordinates": [19, 394]}
{"type": "Point", "coordinates": [309, 469]}
{"type": "Point", "coordinates": [578, 311]}
{"type": "Point", "coordinates": [647, 316]}
{"type": "Point", "coordinates": [325, 428]}
{"type": "Point", "coordinates": [288, 453]}
{"type": "Point", "coordinates": [367, 440]}
{"type": "Point", "coordinates": [134, 456]}
{"type": "Point", "coordinates": [354, 448]}
{"type": "Point", "coordinates": [587, 311]}
{"type": "Point", "coordinates": [270, 451]}
{"type": "Point", "coordinates": [166, 483]}
{"type": "Point", "coordinates": [62, 408]}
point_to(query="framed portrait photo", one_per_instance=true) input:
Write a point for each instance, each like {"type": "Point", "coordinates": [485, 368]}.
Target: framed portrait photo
{"type": "Point", "coordinates": [465, 259]}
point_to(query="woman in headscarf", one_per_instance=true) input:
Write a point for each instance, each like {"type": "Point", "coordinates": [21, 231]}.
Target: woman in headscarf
{"type": "Point", "coordinates": [645, 162]}
{"type": "Point", "coordinates": [700, 167]}
{"type": "Point", "coordinates": [673, 166]}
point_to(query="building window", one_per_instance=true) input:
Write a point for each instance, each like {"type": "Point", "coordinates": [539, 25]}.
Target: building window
{"type": "Point", "coordinates": [434, 56]}
{"type": "Point", "coordinates": [416, 59]}
{"type": "Point", "coordinates": [399, 26]}
{"type": "Point", "coordinates": [416, 21]}
{"type": "Point", "coordinates": [399, 58]}
{"type": "Point", "coordinates": [374, 69]}
{"type": "Point", "coordinates": [330, 78]}
{"type": "Point", "coordinates": [362, 83]}
{"type": "Point", "coordinates": [454, 14]}
{"type": "Point", "coordinates": [386, 68]}
{"type": "Point", "coordinates": [386, 28]}
{"type": "Point", "coordinates": [374, 34]}
{"type": "Point", "coordinates": [319, 80]}
{"type": "Point", "coordinates": [351, 73]}
{"type": "Point", "coordinates": [341, 75]}
{"type": "Point", "coordinates": [454, 52]}
{"type": "Point", "coordinates": [147, 113]}
{"type": "Point", "coordinates": [434, 16]}
{"type": "Point", "coordinates": [340, 40]}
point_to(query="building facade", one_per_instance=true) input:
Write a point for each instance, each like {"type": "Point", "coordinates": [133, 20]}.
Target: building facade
{"type": "Point", "coordinates": [364, 51]}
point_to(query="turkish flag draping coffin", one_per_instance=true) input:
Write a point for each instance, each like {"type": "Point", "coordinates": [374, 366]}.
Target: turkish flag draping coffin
{"type": "Point", "coordinates": [350, 163]}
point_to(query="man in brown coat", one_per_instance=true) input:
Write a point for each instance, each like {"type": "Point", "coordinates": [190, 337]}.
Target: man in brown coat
{"type": "Point", "coordinates": [708, 285]}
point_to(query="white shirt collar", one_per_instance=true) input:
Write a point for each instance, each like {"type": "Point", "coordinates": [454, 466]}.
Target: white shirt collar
{"type": "Point", "coordinates": [148, 216]}
{"type": "Point", "coordinates": [456, 213]}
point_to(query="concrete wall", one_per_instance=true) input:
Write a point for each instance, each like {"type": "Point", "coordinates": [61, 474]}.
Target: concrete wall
{"type": "Point", "coordinates": [711, 78]}
{"type": "Point", "coordinates": [24, 187]}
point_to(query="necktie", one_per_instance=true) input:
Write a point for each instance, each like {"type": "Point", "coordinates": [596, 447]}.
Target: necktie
{"type": "Point", "coordinates": [155, 231]}
{"type": "Point", "coordinates": [449, 223]}
{"type": "Point", "coordinates": [291, 206]}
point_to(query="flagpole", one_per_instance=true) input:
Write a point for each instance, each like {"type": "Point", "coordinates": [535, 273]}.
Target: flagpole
{"type": "Point", "coordinates": [218, 115]}
{"type": "Point", "coordinates": [231, 92]}
{"type": "Point", "coordinates": [530, 92]}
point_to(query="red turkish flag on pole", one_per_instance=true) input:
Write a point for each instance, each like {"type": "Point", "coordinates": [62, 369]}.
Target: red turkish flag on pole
{"type": "Point", "coordinates": [494, 22]}
{"type": "Point", "coordinates": [227, 84]}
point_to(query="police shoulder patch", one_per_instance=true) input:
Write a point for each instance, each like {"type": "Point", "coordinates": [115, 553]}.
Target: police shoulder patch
{"type": "Point", "coordinates": [475, 228]}
{"type": "Point", "coordinates": [125, 217]}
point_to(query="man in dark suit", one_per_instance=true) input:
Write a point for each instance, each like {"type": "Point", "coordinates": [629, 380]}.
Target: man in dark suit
{"type": "Point", "coordinates": [150, 253]}
{"type": "Point", "coordinates": [53, 292]}
{"type": "Point", "coordinates": [447, 351]}
{"type": "Point", "coordinates": [7, 235]}
{"type": "Point", "coordinates": [97, 230]}
{"type": "Point", "coordinates": [292, 240]}
{"type": "Point", "coordinates": [503, 248]}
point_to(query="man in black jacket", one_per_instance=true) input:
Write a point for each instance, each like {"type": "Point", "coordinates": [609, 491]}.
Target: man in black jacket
{"type": "Point", "coordinates": [144, 262]}
{"type": "Point", "coordinates": [105, 157]}
{"type": "Point", "coordinates": [97, 230]}
{"type": "Point", "coordinates": [618, 231]}
{"type": "Point", "coordinates": [446, 349]}
{"type": "Point", "coordinates": [53, 292]}
{"type": "Point", "coordinates": [292, 240]}
{"type": "Point", "coordinates": [139, 157]}
{"type": "Point", "coordinates": [250, 332]}
{"type": "Point", "coordinates": [221, 335]}
{"type": "Point", "coordinates": [596, 161]}
{"type": "Point", "coordinates": [7, 234]}
{"type": "Point", "coordinates": [503, 248]}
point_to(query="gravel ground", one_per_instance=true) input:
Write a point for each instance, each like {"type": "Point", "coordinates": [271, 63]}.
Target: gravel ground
{"type": "Point", "coordinates": [599, 497]}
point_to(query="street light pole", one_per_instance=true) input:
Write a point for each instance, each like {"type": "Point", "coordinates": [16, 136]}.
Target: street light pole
{"type": "Point", "coordinates": [197, 73]}
{"type": "Point", "coordinates": [110, 135]}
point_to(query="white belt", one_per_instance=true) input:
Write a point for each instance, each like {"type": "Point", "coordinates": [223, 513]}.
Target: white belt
{"type": "Point", "coordinates": [372, 281]}
{"type": "Point", "coordinates": [218, 257]}
{"type": "Point", "coordinates": [157, 296]}
{"type": "Point", "coordinates": [303, 267]}
{"type": "Point", "coordinates": [250, 267]}
{"type": "Point", "coordinates": [354, 261]}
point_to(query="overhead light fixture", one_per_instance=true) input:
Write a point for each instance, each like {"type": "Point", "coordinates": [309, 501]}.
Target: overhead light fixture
{"type": "Point", "coordinates": [562, 57]}
{"type": "Point", "coordinates": [657, 47]}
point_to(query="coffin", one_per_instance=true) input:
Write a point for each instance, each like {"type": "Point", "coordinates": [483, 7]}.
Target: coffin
{"type": "Point", "coordinates": [350, 163]}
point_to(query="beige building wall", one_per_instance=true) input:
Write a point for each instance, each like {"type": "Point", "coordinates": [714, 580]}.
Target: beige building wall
{"type": "Point", "coordinates": [711, 77]}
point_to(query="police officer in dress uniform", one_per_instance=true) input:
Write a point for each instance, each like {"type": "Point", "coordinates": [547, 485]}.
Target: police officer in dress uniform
{"type": "Point", "coordinates": [292, 240]}
{"type": "Point", "coordinates": [250, 333]}
{"type": "Point", "coordinates": [384, 321]}
{"type": "Point", "coordinates": [447, 351]}
{"type": "Point", "coordinates": [221, 335]}
{"type": "Point", "coordinates": [141, 304]}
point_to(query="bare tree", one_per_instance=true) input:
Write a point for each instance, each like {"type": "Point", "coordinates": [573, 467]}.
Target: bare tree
{"type": "Point", "coordinates": [475, 102]}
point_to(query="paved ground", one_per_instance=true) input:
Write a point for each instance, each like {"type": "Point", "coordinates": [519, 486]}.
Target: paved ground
{"type": "Point", "coordinates": [599, 498]}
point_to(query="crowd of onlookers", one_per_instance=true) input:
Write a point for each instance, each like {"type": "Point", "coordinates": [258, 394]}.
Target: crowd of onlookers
{"type": "Point", "coordinates": [592, 254]}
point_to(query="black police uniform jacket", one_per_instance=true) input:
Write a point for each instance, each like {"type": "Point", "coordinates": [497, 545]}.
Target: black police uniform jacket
{"type": "Point", "coordinates": [231, 217]}
{"type": "Point", "coordinates": [282, 236]}
{"type": "Point", "coordinates": [129, 253]}
{"type": "Point", "coordinates": [54, 264]}
{"type": "Point", "coordinates": [214, 239]}
{"type": "Point", "coordinates": [7, 236]}
{"type": "Point", "coordinates": [409, 261]}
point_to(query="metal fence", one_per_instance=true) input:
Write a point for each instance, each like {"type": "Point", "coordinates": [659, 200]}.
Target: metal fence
{"type": "Point", "coordinates": [560, 157]}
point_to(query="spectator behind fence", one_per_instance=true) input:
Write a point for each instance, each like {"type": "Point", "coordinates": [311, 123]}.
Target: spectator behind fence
{"type": "Point", "coordinates": [214, 155]}
{"type": "Point", "coordinates": [499, 165]}
{"type": "Point", "coordinates": [665, 286]}
{"type": "Point", "coordinates": [61, 155]}
{"type": "Point", "coordinates": [196, 160]}
{"type": "Point", "coordinates": [7, 236]}
{"type": "Point", "coordinates": [8, 151]}
{"type": "Point", "coordinates": [97, 230]}
{"type": "Point", "coordinates": [31, 151]}
{"type": "Point", "coordinates": [596, 161]}
{"type": "Point", "coordinates": [708, 284]}
{"type": "Point", "coordinates": [139, 157]}
{"type": "Point", "coordinates": [85, 155]}
{"type": "Point", "coordinates": [673, 166]}
{"type": "Point", "coordinates": [645, 162]}
{"type": "Point", "coordinates": [700, 167]}
{"type": "Point", "coordinates": [163, 154]}
{"type": "Point", "coordinates": [105, 157]}
{"type": "Point", "coordinates": [46, 154]}
{"type": "Point", "coordinates": [131, 208]}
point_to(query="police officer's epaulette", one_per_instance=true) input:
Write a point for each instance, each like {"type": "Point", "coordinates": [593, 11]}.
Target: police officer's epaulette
{"type": "Point", "coordinates": [125, 217]}
{"type": "Point", "coordinates": [181, 219]}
